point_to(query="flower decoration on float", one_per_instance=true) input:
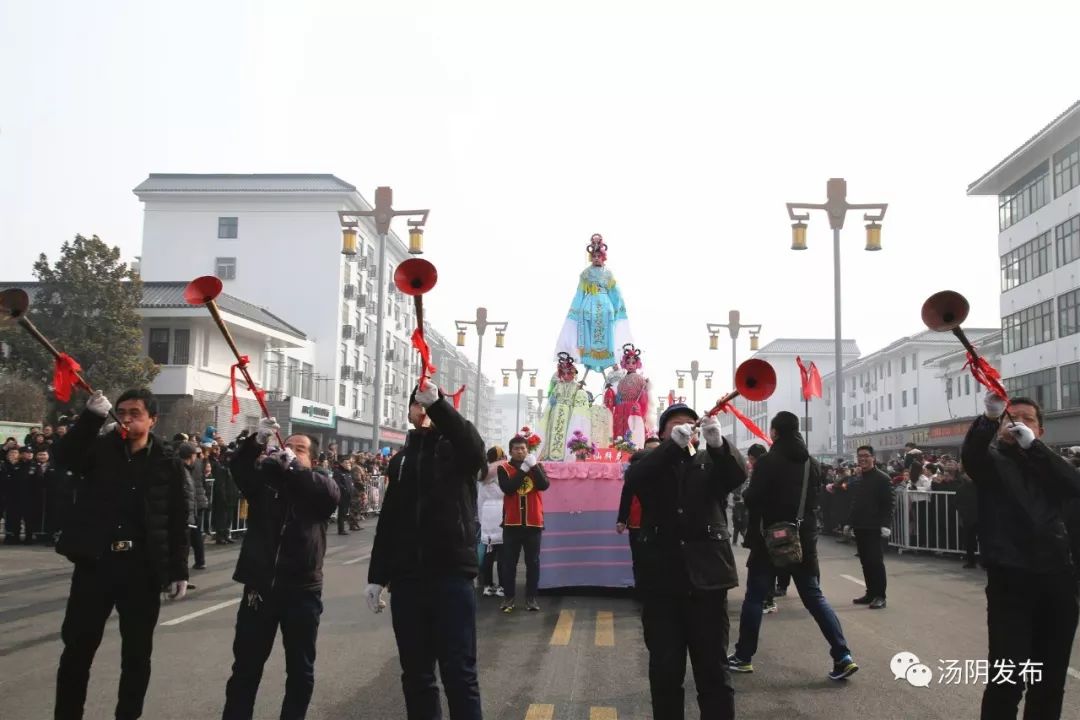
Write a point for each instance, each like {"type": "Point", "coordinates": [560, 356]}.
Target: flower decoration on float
{"type": "Point", "coordinates": [580, 444]}
{"type": "Point", "coordinates": [624, 444]}
{"type": "Point", "coordinates": [532, 439]}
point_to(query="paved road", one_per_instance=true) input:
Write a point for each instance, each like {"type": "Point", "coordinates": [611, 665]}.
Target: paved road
{"type": "Point", "coordinates": [580, 658]}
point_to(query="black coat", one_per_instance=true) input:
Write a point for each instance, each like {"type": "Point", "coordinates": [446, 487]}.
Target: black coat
{"type": "Point", "coordinates": [872, 500]}
{"type": "Point", "coordinates": [1022, 499]}
{"type": "Point", "coordinates": [288, 509]}
{"type": "Point", "coordinates": [225, 492]}
{"type": "Point", "coordinates": [98, 462]}
{"type": "Point", "coordinates": [684, 542]}
{"type": "Point", "coordinates": [428, 522]}
{"type": "Point", "coordinates": [345, 486]}
{"type": "Point", "coordinates": [773, 496]}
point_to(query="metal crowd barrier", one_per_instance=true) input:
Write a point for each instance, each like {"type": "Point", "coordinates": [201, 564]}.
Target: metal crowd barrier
{"type": "Point", "coordinates": [926, 520]}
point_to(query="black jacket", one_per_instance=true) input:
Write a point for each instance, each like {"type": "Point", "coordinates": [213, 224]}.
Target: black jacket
{"type": "Point", "coordinates": [288, 509]}
{"type": "Point", "coordinates": [98, 462]}
{"type": "Point", "coordinates": [345, 486]}
{"type": "Point", "coordinates": [428, 522]}
{"type": "Point", "coordinates": [1022, 498]}
{"type": "Point", "coordinates": [872, 499]}
{"type": "Point", "coordinates": [225, 491]}
{"type": "Point", "coordinates": [773, 496]}
{"type": "Point", "coordinates": [684, 542]}
{"type": "Point", "coordinates": [626, 496]}
{"type": "Point", "coordinates": [13, 482]}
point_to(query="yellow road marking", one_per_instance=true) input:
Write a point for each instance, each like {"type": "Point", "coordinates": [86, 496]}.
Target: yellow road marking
{"type": "Point", "coordinates": [540, 712]}
{"type": "Point", "coordinates": [605, 632]}
{"type": "Point", "coordinates": [563, 628]}
{"type": "Point", "coordinates": [603, 713]}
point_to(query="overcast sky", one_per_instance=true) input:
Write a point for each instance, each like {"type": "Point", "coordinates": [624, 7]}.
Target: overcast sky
{"type": "Point", "coordinates": [677, 130]}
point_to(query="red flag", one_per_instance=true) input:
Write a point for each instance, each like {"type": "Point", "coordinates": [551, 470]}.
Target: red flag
{"type": "Point", "coordinates": [243, 361]}
{"type": "Point", "coordinates": [804, 375]}
{"type": "Point", "coordinates": [671, 398]}
{"type": "Point", "coordinates": [456, 397]}
{"type": "Point", "coordinates": [815, 381]}
{"type": "Point", "coordinates": [421, 346]}
{"type": "Point", "coordinates": [65, 376]}
{"type": "Point", "coordinates": [750, 424]}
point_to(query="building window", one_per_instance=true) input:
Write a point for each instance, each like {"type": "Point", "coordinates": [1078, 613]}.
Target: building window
{"type": "Point", "coordinates": [914, 362]}
{"type": "Point", "coordinates": [292, 376]}
{"type": "Point", "coordinates": [903, 365]}
{"type": "Point", "coordinates": [1024, 198]}
{"type": "Point", "coordinates": [890, 401]}
{"type": "Point", "coordinates": [948, 389]}
{"type": "Point", "coordinates": [1070, 386]}
{"type": "Point", "coordinates": [967, 384]}
{"type": "Point", "coordinates": [341, 395]}
{"type": "Point", "coordinates": [903, 398]}
{"type": "Point", "coordinates": [225, 268]}
{"type": "Point", "coordinates": [1026, 262]}
{"type": "Point", "coordinates": [181, 347]}
{"type": "Point", "coordinates": [1067, 168]}
{"type": "Point", "coordinates": [1067, 239]}
{"type": "Point", "coordinates": [888, 368]}
{"type": "Point", "coordinates": [1068, 313]}
{"type": "Point", "coordinates": [914, 396]}
{"type": "Point", "coordinates": [1030, 326]}
{"type": "Point", "coordinates": [226, 228]}
{"type": "Point", "coordinates": [159, 345]}
{"type": "Point", "coordinates": [305, 380]}
{"type": "Point", "coordinates": [1040, 386]}
{"type": "Point", "coordinates": [206, 348]}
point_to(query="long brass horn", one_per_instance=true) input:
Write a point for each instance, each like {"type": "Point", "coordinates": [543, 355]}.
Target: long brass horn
{"type": "Point", "coordinates": [754, 379]}
{"type": "Point", "coordinates": [417, 277]}
{"type": "Point", "coordinates": [204, 291]}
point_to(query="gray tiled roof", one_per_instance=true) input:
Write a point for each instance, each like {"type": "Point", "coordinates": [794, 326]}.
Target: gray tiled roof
{"type": "Point", "coordinates": [171, 295]}
{"type": "Point", "coordinates": [808, 346]}
{"type": "Point", "coordinates": [272, 182]}
{"type": "Point", "coordinates": [1027, 143]}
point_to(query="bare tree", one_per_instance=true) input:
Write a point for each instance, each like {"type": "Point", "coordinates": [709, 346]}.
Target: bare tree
{"type": "Point", "coordinates": [21, 400]}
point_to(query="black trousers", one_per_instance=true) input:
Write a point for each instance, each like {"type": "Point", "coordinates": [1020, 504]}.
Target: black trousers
{"type": "Point", "coordinates": [16, 510]}
{"type": "Point", "coordinates": [123, 581]}
{"type": "Point", "coordinates": [297, 612]}
{"type": "Point", "coordinates": [872, 557]}
{"type": "Point", "coordinates": [698, 624]}
{"type": "Point", "coordinates": [971, 542]}
{"type": "Point", "coordinates": [487, 568]}
{"type": "Point", "coordinates": [195, 535]}
{"type": "Point", "coordinates": [633, 533]}
{"type": "Point", "coordinates": [514, 540]}
{"type": "Point", "coordinates": [224, 514]}
{"type": "Point", "coordinates": [1029, 618]}
{"type": "Point", "coordinates": [342, 516]}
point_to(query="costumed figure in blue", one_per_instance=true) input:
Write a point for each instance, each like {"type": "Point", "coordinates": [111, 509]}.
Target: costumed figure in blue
{"type": "Point", "coordinates": [597, 322]}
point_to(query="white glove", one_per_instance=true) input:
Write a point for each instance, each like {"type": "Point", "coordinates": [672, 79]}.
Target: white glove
{"type": "Point", "coordinates": [98, 404]}
{"type": "Point", "coordinates": [176, 590]}
{"type": "Point", "coordinates": [286, 457]}
{"type": "Point", "coordinates": [428, 394]}
{"type": "Point", "coordinates": [847, 530]}
{"type": "Point", "coordinates": [620, 528]}
{"type": "Point", "coordinates": [886, 532]}
{"type": "Point", "coordinates": [373, 595]}
{"type": "Point", "coordinates": [710, 428]}
{"type": "Point", "coordinates": [1023, 434]}
{"type": "Point", "coordinates": [529, 462]}
{"type": "Point", "coordinates": [995, 405]}
{"type": "Point", "coordinates": [108, 427]}
{"type": "Point", "coordinates": [267, 427]}
{"type": "Point", "coordinates": [681, 434]}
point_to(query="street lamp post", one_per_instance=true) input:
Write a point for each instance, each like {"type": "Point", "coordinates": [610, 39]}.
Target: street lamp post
{"type": "Point", "coordinates": [519, 369]}
{"type": "Point", "coordinates": [383, 213]}
{"type": "Point", "coordinates": [694, 372]}
{"type": "Point", "coordinates": [837, 206]}
{"type": "Point", "coordinates": [481, 324]}
{"type": "Point", "coordinates": [733, 325]}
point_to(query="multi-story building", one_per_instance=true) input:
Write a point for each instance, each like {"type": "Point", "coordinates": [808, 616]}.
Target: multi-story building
{"type": "Point", "coordinates": [915, 389]}
{"type": "Point", "coordinates": [781, 354]}
{"type": "Point", "coordinates": [1038, 191]}
{"type": "Point", "coordinates": [276, 241]}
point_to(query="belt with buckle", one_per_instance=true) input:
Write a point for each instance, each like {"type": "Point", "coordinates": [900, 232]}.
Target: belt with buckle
{"type": "Point", "coordinates": [122, 545]}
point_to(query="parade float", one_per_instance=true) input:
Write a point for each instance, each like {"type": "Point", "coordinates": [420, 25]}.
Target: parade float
{"type": "Point", "coordinates": [588, 437]}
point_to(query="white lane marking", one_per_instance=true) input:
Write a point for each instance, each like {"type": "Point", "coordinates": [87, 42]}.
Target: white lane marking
{"type": "Point", "coordinates": [362, 558]}
{"type": "Point", "coordinates": [200, 613]}
{"type": "Point", "coordinates": [855, 580]}
{"type": "Point", "coordinates": [1073, 673]}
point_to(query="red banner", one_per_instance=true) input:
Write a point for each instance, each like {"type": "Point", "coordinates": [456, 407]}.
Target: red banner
{"type": "Point", "coordinates": [65, 376]}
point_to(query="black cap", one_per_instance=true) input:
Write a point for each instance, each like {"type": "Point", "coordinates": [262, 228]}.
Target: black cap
{"type": "Point", "coordinates": [185, 451]}
{"type": "Point", "coordinates": [673, 410]}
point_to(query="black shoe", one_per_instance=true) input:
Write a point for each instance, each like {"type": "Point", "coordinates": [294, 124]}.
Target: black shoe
{"type": "Point", "coordinates": [970, 564]}
{"type": "Point", "coordinates": [531, 605]}
{"type": "Point", "coordinates": [864, 600]}
{"type": "Point", "coordinates": [343, 532]}
{"type": "Point", "coordinates": [507, 606]}
{"type": "Point", "coordinates": [201, 566]}
{"type": "Point", "coordinates": [781, 591]}
{"type": "Point", "coordinates": [230, 541]}
{"type": "Point", "coordinates": [877, 604]}
{"type": "Point", "coordinates": [843, 669]}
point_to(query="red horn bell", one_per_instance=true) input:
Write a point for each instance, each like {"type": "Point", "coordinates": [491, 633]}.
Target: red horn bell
{"type": "Point", "coordinates": [202, 290]}
{"type": "Point", "coordinates": [415, 276]}
{"type": "Point", "coordinates": [945, 311]}
{"type": "Point", "coordinates": [14, 302]}
{"type": "Point", "coordinates": [755, 380]}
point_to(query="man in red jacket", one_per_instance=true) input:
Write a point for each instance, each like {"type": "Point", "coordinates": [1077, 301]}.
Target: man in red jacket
{"type": "Point", "coordinates": [523, 481]}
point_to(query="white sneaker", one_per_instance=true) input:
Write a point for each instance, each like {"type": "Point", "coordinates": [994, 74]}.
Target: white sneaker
{"type": "Point", "coordinates": [499, 592]}
{"type": "Point", "coordinates": [489, 591]}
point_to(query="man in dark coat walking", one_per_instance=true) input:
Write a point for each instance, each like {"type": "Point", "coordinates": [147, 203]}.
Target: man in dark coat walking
{"type": "Point", "coordinates": [425, 550]}
{"type": "Point", "coordinates": [1031, 590]}
{"type": "Point", "coordinates": [280, 566]}
{"type": "Point", "coordinates": [226, 496]}
{"type": "Point", "coordinates": [685, 563]}
{"type": "Point", "coordinates": [783, 479]}
{"type": "Point", "coordinates": [127, 536]}
{"type": "Point", "coordinates": [871, 520]}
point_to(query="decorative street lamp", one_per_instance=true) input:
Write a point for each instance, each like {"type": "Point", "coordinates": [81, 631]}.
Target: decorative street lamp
{"type": "Point", "coordinates": [382, 213]}
{"type": "Point", "coordinates": [519, 369]}
{"type": "Point", "coordinates": [694, 372]}
{"type": "Point", "coordinates": [837, 206]}
{"type": "Point", "coordinates": [481, 324]}
{"type": "Point", "coordinates": [733, 326]}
